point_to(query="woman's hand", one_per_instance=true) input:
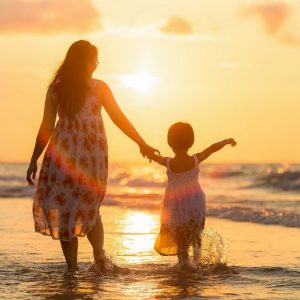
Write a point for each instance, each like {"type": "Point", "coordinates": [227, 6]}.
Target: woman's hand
{"type": "Point", "coordinates": [32, 169]}
{"type": "Point", "coordinates": [147, 150]}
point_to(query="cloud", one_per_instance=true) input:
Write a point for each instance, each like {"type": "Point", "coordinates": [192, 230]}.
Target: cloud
{"type": "Point", "coordinates": [277, 19]}
{"type": "Point", "coordinates": [177, 25]}
{"type": "Point", "coordinates": [273, 15]}
{"type": "Point", "coordinates": [291, 39]}
{"type": "Point", "coordinates": [51, 16]}
{"type": "Point", "coordinates": [206, 33]}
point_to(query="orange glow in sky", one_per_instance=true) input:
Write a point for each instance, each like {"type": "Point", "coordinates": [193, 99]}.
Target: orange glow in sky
{"type": "Point", "coordinates": [229, 68]}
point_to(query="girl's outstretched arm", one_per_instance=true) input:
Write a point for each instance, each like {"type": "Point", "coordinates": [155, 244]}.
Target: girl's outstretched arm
{"type": "Point", "coordinates": [44, 133]}
{"type": "Point", "coordinates": [108, 101]}
{"type": "Point", "coordinates": [214, 148]}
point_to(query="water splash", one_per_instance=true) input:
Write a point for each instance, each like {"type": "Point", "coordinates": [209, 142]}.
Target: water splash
{"type": "Point", "coordinates": [213, 249]}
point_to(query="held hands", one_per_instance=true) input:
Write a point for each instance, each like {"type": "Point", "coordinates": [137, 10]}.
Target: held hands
{"type": "Point", "coordinates": [147, 151]}
{"type": "Point", "coordinates": [231, 142]}
{"type": "Point", "coordinates": [32, 169]}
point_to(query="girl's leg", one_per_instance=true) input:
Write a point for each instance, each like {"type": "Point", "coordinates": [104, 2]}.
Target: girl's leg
{"type": "Point", "coordinates": [197, 243]}
{"type": "Point", "coordinates": [70, 250]}
{"type": "Point", "coordinates": [197, 249]}
{"type": "Point", "coordinates": [96, 238]}
{"type": "Point", "coordinates": [183, 257]}
{"type": "Point", "coordinates": [182, 250]}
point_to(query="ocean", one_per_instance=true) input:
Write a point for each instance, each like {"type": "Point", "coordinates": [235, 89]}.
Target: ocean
{"type": "Point", "coordinates": [252, 209]}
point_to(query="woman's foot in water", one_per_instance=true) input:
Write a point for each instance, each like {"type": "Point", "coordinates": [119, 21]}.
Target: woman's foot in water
{"type": "Point", "coordinates": [101, 267]}
{"type": "Point", "coordinates": [113, 267]}
{"type": "Point", "coordinates": [72, 270]}
{"type": "Point", "coordinates": [104, 266]}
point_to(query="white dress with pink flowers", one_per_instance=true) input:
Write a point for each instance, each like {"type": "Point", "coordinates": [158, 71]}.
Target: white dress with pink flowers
{"type": "Point", "coordinates": [73, 175]}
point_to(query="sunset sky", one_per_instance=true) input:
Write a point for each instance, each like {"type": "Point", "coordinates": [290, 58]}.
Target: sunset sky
{"type": "Point", "coordinates": [229, 68]}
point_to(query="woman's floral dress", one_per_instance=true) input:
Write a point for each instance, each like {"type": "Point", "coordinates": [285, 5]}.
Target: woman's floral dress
{"type": "Point", "coordinates": [183, 211]}
{"type": "Point", "coordinates": [73, 175]}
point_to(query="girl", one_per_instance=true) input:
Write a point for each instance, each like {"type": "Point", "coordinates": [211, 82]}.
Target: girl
{"type": "Point", "coordinates": [183, 207]}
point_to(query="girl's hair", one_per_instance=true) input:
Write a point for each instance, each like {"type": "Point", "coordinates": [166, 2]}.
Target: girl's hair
{"type": "Point", "coordinates": [69, 82]}
{"type": "Point", "coordinates": [181, 136]}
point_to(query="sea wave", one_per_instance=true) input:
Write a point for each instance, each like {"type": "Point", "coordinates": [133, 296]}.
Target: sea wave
{"type": "Point", "coordinates": [234, 213]}
{"type": "Point", "coordinates": [134, 202]}
{"type": "Point", "coordinates": [225, 174]}
{"type": "Point", "coordinates": [288, 180]}
{"type": "Point", "coordinates": [140, 182]}
{"type": "Point", "coordinates": [261, 216]}
{"type": "Point", "coordinates": [12, 178]}
{"type": "Point", "coordinates": [255, 176]}
{"type": "Point", "coordinates": [153, 200]}
{"type": "Point", "coordinates": [16, 191]}
{"type": "Point", "coordinates": [135, 195]}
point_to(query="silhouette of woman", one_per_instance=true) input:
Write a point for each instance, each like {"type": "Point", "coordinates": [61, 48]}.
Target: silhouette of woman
{"type": "Point", "coordinates": [73, 176]}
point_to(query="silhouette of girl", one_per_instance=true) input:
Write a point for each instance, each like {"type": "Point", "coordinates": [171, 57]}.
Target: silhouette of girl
{"type": "Point", "coordinates": [73, 176]}
{"type": "Point", "coordinates": [183, 207]}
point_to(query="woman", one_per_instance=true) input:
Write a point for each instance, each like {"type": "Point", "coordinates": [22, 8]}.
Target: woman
{"type": "Point", "coordinates": [73, 175]}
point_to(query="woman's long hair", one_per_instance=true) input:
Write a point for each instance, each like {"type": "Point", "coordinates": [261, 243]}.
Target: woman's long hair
{"type": "Point", "coordinates": [70, 80]}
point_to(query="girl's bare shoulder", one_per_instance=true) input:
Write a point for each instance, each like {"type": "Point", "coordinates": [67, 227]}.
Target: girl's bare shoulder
{"type": "Point", "coordinates": [179, 165]}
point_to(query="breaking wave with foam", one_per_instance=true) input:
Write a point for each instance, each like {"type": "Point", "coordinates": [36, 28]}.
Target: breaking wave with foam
{"type": "Point", "coordinates": [258, 193]}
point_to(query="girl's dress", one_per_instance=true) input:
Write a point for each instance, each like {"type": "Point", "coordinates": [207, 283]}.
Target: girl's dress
{"type": "Point", "coordinates": [73, 175]}
{"type": "Point", "coordinates": [182, 211]}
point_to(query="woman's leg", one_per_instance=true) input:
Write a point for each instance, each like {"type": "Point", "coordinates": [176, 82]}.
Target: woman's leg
{"type": "Point", "coordinates": [70, 250]}
{"type": "Point", "coordinates": [96, 238]}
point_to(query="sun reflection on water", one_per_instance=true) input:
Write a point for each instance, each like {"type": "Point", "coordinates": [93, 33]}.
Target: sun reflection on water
{"type": "Point", "coordinates": [140, 230]}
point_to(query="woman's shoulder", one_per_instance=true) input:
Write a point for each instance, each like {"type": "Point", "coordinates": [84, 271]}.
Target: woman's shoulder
{"type": "Point", "coordinates": [99, 84]}
{"type": "Point", "coordinates": [101, 87]}
{"type": "Point", "coordinates": [52, 95]}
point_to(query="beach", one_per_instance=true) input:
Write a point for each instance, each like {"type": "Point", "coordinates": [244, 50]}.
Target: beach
{"type": "Point", "coordinates": [263, 260]}
{"type": "Point", "coordinates": [108, 108]}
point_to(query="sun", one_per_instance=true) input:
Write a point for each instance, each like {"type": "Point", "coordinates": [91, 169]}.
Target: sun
{"type": "Point", "coordinates": [141, 81]}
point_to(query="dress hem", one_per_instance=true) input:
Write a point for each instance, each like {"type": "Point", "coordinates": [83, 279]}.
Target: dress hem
{"type": "Point", "coordinates": [164, 254]}
{"type": "Point", "coordinates": [49, 234]}
{"type": "Point", "coordinates": [81, 234]}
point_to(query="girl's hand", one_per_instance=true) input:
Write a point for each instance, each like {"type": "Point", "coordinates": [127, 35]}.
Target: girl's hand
{"type": "Point", "coordinates": [231, 142]}
{"type": "Point", "coordinates": [32, 169]}
{"type": "Point", "coordinates": [147, 150]}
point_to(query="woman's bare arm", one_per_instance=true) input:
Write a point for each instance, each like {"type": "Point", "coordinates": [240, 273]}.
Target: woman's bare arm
{"type": "Point", "coordinates": [118, 117]}
{"type": "Point", "coordinates": [157, 158]}
{"type": "Point", "coordinates": [214, 148]}
{"type": "Point", "coordinates": [44, 133]}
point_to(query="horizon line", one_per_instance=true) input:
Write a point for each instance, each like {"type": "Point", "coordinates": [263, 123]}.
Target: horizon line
{"type": "Point", "coordinates": [138, 162]}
